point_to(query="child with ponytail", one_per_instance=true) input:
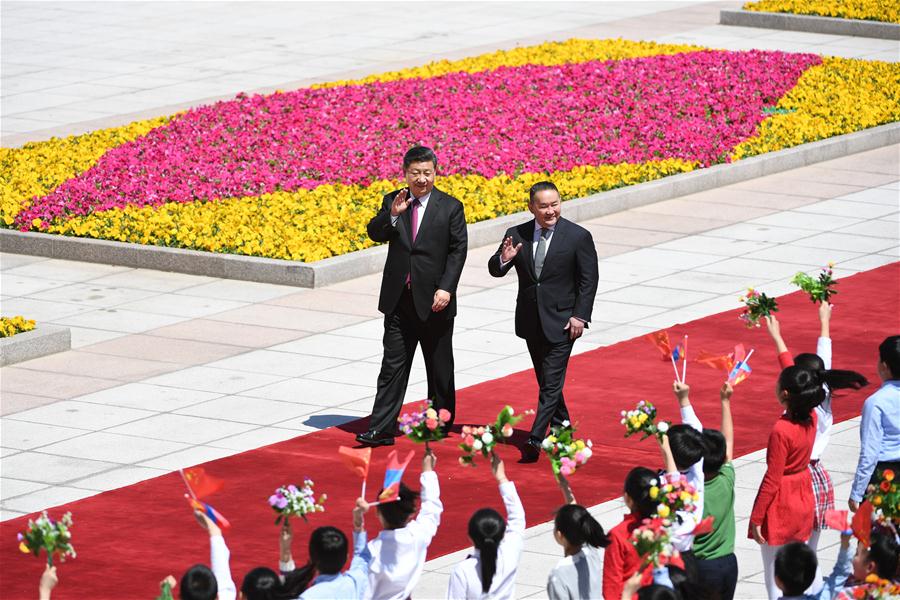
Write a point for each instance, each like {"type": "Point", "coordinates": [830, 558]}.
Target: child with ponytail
{"type": "Point", "coordinates": [581, 536]}
{"type": "Point", "coordinates": [822, 486]}
{"type": "Point", "coordinates": [490, 571]}
{"type": "Point", "coordinates": [784, 509]}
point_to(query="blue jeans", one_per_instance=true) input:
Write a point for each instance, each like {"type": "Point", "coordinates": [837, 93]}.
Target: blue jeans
{"type": "Point", "coordinates": [719, 575]}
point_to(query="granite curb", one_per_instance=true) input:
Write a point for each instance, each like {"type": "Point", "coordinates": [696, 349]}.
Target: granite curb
{"type": "Point", "coordinates": [810, 24]}
{"type": "Point", "coordinates": [371, 260]}
{"type": "Point", "coordinates": [40, 341]}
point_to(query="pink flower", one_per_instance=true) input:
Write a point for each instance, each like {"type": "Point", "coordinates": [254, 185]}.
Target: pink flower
{"type": "Point", "coordinates": [507, 430]}
{"type": "Point", "coordinates": [469, 441]}
{"type": "Point", "coordinates": [444, 415]}
{"type": "Point", "coordinates": [431, 424]}
{"type": "Point", "coordinates": [466, 430]}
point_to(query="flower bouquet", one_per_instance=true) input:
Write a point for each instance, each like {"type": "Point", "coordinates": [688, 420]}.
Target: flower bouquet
{"type": "Point", "coordinates": [821, 289]}
{"type": "Point", "coordinates": [674, 494]}
{"type": "Point", "coordinates": [756, 306]}
{"type": "Point", "coordinates": [291, 501]}
{"type": "Point", "coordinates": [483, 439]}
{"type": "Point", "coordinates": [884, 495]}
{"type": "Point", "coordinates": [564, 451]}
{"type": "Point", "coordinates": [875, 588]}
{"type": "Point", "coordinates": [53, 536]}
{"type": "Point", "coordinates": [425, 425]}
{"type": "Point", "coordinates": [651, 540]}
{"type": "Point", "coordinates": [643, 420]}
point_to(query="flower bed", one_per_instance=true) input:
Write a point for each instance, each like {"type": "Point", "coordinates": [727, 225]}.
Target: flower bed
{"type": "Point", "coordinates": [297, 175]}
{"type": "Point", "coordinates": [869, 10]}
{"type": "Point", "coordinates": [10, 326]}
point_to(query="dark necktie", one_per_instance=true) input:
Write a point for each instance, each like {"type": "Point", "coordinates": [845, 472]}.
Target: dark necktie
{"type": "Point", "coordinates": [541, 251]}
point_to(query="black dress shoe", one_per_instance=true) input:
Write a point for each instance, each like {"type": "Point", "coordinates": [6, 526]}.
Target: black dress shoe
{"type": "Point", "coordinates": [373, 438]}
{"type": "Point", "coordinates": [531, 452]}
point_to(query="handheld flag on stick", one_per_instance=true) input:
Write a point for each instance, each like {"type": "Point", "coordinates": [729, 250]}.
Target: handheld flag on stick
{"type": "Point", "coordinates": [684, 364]}
{"type": "Point", "coordinates": [214, 515]}
{"type": "Point", "coordinates": [660, 339]}
{"type": "Point", "coordinates": [862, 522]}
{"type": "Point", "coordinates": [393, 475]}
{"type": "Point", "coordinates": [704, 526]}
{"type": "Point", "coordinates": [357, 460]}
{"type": "Point", "coordinates": [838, 519]}
{"type": "Point", "coordinates": [740, 371]}
{"type": "Point", "coordinates": [199, 483]}
{"type": "Point", "coordinates": [716, 361]}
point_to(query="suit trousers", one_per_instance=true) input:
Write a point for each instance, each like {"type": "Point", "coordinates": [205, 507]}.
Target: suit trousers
{"type": "Point", "coordinates": [403, 331]}
{"type": "Point", "coordinates": [550, 360]}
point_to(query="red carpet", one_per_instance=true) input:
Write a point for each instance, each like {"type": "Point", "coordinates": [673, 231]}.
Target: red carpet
{"type": "Point", "coordinates": [129, 539]}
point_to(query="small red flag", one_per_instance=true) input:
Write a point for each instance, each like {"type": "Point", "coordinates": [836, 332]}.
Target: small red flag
{"type": "Point", "coordinates": [392, 476]}
{"type": "Point", "coordinates": [837, 519]}
{"type": "Point", "coordinates": [660, 339]}
{"type": "Point", "coordinates": [716, 361]}
{"type": "Point", "coordinates": [862, 522]}
{"type": "Point", "coordinates": [357, 460]}
{"type": "Point", "coordinates": [201, 483]}
{"type": "Point", "coordinates": [704, 526]}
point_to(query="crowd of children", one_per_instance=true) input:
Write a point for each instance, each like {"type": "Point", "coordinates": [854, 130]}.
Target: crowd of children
{"type": "Point", "coordinates": [788, 514]}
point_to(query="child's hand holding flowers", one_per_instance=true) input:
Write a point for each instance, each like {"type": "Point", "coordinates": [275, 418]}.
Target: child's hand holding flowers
{"type": "Point", "coordinates": [756, 306]}
{"type": "Point", "coordinates": [291, 501]}
{"type": "Point", "coordinates": [565, 452]}
{"type": "Point", "coordinates": [643, 420]}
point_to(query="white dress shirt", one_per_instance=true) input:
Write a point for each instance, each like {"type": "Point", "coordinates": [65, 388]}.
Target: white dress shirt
{"type": "Point", "coordinates": [465, 581]}
{"type": "Point", "coordinates": [219, 556]}
{"type": "Point", "coordinates": [682, 534]}
{"type": "Point", "coordinates": [398, 555]}
{"type": "Point", "coordinates": [536, 238]}
{"type": "Point", "coordinates": [423, 204]}
{"type": "Point", "coordinates": [826, 418]}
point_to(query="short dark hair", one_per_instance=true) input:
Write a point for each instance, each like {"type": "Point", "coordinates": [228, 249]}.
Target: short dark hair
{"type": "Point", "coordinates": [397, 513]}
{"type": "Point", "coordinates": [198, 583]}
{"type": "Point", "coordinates": [328, 549]}
{"type": "Point", "coordinates": [687, 445]}
{"type": "Point", "coordinates": [795, 566]}
{"type": "Point", "coordinates": [654, 591]}
{"type": "Point", "coordinates": [716, 451]}
{"type": "Point", "coordinates": [419, 154]}
{"type": "Point", "coordinates": [261, 583]}
{"type": "Point", "coordinates": [884, 551]}
{"type": "Point", "coordinates": [541, 186]}
{"type": "Point", "coordinates": [889, 353]}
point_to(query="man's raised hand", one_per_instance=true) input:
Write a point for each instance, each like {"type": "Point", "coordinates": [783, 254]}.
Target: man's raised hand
{"type": "Point", "coordinates": [401, 203]}
{"type": "Point", "coordinates": [508, 251]}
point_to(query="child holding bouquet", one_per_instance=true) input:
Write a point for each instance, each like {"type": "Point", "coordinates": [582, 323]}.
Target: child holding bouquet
{"type": "Point", "coordinates": [784, 509]}
{"type": "Point", "coordinates": [398, 552]}
{"type": "Point", "coordinates": [490, 572]}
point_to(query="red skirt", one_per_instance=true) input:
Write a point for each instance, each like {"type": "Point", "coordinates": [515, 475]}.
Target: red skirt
{"type": "Point", "coordinates": [791, 515]}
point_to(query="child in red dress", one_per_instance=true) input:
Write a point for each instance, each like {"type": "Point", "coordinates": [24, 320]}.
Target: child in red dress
{"type": "Point", "coordinates": [784, 508]}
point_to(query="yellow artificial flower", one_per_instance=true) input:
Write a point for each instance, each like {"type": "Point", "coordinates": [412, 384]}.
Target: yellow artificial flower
{"type": "Point", "coordinates": [663, 511]}
{"type": "Point", "coordinates": [654, 492]}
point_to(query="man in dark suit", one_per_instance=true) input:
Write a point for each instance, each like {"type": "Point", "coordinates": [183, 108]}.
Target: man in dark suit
{"type": "Point", "coordinates": [426, 232]}
{"type": "Point", "coordinates": [556, 262]}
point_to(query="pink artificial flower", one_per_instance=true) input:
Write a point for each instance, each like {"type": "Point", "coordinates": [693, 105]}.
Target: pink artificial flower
{"type": "Point", "coordinates": [431, 424]}
{"type": "Point", "coordinates": [444, 415]}
{"type": "Point", "coordinates": [470, 440]}
{"type": "Point", "coordinates": [507, 430]}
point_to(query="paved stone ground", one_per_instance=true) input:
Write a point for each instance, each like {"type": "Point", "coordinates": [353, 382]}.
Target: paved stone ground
{"type": "Point", "coordinates": [71, 67]}
{"type": "Point", "coordinates": [156, 353]}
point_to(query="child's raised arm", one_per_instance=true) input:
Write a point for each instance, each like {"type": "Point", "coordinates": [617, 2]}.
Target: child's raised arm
{"type": "Point", "coordinates": [285, 558]}
{"type": "Point", "coordinates": [727, 422]}
{"type": "Point", "coordinates": [666, 451]}
{"type": "Point", "coordinates": [823, 345]}
{"type": "Point", "coordinates": [774, 327]}
{"type": "Point", "coordinates": [688, 416]}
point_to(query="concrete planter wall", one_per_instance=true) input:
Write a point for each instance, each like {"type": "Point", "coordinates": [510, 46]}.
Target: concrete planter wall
{"type": "Point", "coordinates": [40, 341]}
{"type": "Point", "coordinates": [810, 24]}
{"type": "Point", "coordinates": [371, 260]}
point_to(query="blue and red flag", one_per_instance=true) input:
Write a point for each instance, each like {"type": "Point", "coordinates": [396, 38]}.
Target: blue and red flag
{"type": "Point", "coordinates": [392, 476]}
{"type": "Point", "coordinates": [214, 515]}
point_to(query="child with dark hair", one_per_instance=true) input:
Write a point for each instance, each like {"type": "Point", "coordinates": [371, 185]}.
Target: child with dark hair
{"type": "Point", "coordinates": [879, 429]}
{"type": "Point", "coordinates": [717, 566]}
{"type": "Point", "coordinates": [686, 444]}
{"type": "Point", "coordinates": [621, 560]}
{"type": "Point", "coordinates": [398, 551]}
{"type": "Point", "coordinates": [796, 566]}
{"type": "Point", "coordinates": [202, 583]}
{"type": "Point", "coordinates": [490, 571]}
{"type": "Point", "coordinates": [328, 553]}
{"type": "Point", "coordinates": [880, 558]}
{"type": "Point", "coordinates": [784, 507]}
{"type": "Point", "coordinates": [822, 486]}
{"type": "Point", "coordinates": [581, 536]}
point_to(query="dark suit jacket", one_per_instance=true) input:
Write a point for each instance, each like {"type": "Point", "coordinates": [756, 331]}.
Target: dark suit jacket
{"type": "Point", "coordinates": [566, 287]}
{"type": "Point", "coordinates": [434, 262]}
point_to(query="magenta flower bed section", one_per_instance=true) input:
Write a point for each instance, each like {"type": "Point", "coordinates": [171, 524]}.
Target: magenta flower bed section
{"type": "Point", "coordinates": [694, 106]}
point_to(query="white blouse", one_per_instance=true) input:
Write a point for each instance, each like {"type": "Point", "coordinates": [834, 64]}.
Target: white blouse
{"type": "Point", "coordinates": [465, 581]}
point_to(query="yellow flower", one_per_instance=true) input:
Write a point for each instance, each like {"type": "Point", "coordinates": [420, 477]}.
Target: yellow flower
{"type": "Point", "coordinates": [23, 548]}
{"type": "Point", "coordinates": [654, 492]}
{"type": "Point", "coordinates": [871, 10]}
{"type": "Point", "coordinates": [579, 444]}
{"type": "Point", "coordinates": [663, 511]}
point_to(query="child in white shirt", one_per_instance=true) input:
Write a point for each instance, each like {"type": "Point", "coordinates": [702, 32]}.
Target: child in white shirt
{"type": "Point", "coordinates": [398, 552]}
{"type": "Point", "coordinates": [490, 571]}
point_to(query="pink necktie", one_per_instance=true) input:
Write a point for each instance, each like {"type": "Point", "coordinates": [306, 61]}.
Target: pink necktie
{"type": "Point", "coordinates": [415, 217]}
